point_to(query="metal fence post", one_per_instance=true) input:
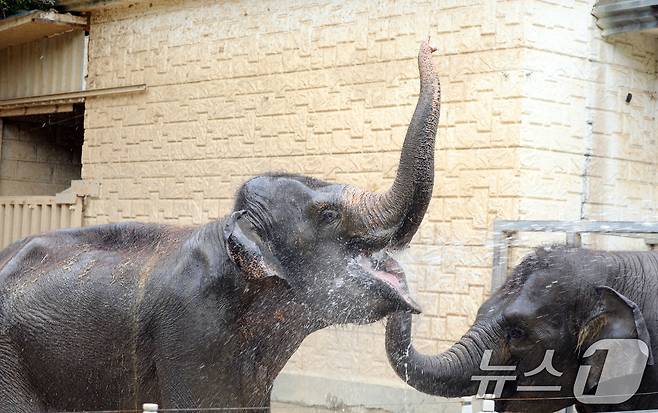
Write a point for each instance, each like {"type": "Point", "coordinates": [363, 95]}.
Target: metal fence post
{"type": "Point", "coordinates": [467, 404]}
{"type": "Point", "coordinates": [149, 407]}
{"type": "Point", "coordinates": [501, 240]}
{"type": "Point", "coordinates": [574, 239]}
{"type": "Point", "coordinates": [488, 405]}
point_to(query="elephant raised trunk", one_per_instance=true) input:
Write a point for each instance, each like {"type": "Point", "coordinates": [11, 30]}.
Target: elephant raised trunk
{"type": "Point", "coordinates": [447, 374]}
{"type": "Point", "coordinates": [392, 218]}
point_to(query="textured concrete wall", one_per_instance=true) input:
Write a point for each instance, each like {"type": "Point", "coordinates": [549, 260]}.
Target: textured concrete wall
{"type": "Point", "coordinates": [585, 152]}
{"type": "Point", "coordinates": [36, 160]}
{"type": "Point", "coordinates": [327, 89]}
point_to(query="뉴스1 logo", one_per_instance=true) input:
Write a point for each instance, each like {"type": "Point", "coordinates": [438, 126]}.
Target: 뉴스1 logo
{"type": "Point", "coordinates": [619, 379]}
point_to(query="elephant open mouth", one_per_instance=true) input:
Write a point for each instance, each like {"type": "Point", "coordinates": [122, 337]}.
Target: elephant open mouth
{"type": "Point", "coordinates": [390, 279]}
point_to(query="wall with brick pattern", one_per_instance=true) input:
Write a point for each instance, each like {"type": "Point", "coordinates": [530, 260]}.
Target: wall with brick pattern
{"type": "Point", "coordinates": [586, 153]}
{"type": "Point", "coordinates": [327, 89]}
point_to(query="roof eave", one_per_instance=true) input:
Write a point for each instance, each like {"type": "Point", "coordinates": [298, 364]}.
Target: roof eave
{"type": "Point", "coordinates": [92, 5]}
{"type": "Point", "coordinates": [620, 16]}
{"type": "Point", "coordinates": [37, 24]}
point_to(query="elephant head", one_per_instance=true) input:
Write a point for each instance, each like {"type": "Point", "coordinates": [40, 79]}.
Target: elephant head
{"type": "Point", "coordinates": [556, 303]}
{"type": "Point", "coordinates": [328, 242]}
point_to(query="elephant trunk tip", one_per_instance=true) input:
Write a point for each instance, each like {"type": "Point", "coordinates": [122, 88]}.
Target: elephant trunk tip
{"type": "Point", "coordinates": [427, 74]}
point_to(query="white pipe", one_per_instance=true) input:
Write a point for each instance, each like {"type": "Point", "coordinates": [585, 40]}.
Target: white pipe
{"type": "Point", "coordinates": [467, 404]}
{"type": "Point", "coordinates": [149, 407]}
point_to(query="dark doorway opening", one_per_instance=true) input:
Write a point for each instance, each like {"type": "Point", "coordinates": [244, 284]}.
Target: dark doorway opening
{"type": "Point", "coordinates": [41, 154]}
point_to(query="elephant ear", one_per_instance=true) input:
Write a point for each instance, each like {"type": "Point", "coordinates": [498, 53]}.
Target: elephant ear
{"type": "Point", "coordinates": [248, 251]}
{"type": "Point", "coordinates": [615, 317]}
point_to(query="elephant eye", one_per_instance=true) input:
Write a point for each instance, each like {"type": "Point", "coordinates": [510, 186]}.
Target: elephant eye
{"type": "Point", "coordinates": [516, 333]}
{"type": "Point", "coordinates": [329, 215]}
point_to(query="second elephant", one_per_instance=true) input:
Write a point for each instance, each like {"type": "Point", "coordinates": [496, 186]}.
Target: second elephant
{"type": "Point", "coordinates": [558, 301]}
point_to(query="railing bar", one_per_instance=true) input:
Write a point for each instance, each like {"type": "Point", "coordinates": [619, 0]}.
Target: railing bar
{"type": "Point", "coordinates": [77, 212]}
{"type": "Point", "coordinates": [500, 258]}
{"type": "Point", "coordinates": [45, 217]}
{"type": "Point", "coordinates": [54, 216]}
{"type": "Point", "coordinates": [25, 220]}
{"type": "Point", "coordinates": [620, 227]}
{"type": "Point", "coordinates": [574, 239]}
{"type": "Point", "coordinates": [35, 220]}
{"type": "Point", "coordinates": [3, 210]}
{"type": "Point", "coordinates": [16, 222]}
{"type": "Point", "coordinates": [7, 227]}
{"type": "Point", "coordinates": [65, 222]}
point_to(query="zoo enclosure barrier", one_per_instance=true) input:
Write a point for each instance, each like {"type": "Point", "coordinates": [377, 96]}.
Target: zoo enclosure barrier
{"type": "Point", "coordinates": [21, 216]}
{"type": "Point", "coordinates": [504, 232]}
{"type": "Point", "coordinates": [466, 407]}
{"type": "Point", "coordinates": [466, 404]}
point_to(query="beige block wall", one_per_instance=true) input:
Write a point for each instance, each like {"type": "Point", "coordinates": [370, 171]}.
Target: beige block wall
{"type": "Point", "coordinates": [36, 160]}
{"type": "Point", "coordinates": [532, 99]}
{"type": "Point", "coordinates": [586, 153]}
{"type": "Point", "coordinates": [324, 89]}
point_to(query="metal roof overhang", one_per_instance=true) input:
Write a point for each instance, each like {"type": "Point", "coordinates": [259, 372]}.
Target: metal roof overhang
{"type": "Point", "coordinates": [59, 102]}
{"type": "Point", "coordinates": [36, 25]}
{"type": "Point", "coordinates": [619, 16]}
{"type": "Point", "coordinates": [90, 5]}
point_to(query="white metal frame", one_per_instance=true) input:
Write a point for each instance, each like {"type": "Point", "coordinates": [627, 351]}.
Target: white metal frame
{"type": "Point", "coordinates": [505, 230]}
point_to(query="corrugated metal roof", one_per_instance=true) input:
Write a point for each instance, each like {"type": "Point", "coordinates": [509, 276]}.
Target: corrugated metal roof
{"type": "Point", "coordinates": [618, 16]}
{"type": "Point", "coordinates": [43, 67]}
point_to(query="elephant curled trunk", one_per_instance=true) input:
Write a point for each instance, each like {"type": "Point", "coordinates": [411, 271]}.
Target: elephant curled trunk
{"type": "Point", "coordinates": [392, 218]}
{"type": "Point", "coordinates": [447, 374]}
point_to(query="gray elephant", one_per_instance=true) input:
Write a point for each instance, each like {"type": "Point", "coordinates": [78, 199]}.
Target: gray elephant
{"type": "Point", "coordinates": [108, 317]}
{"type": "Point", "coordinates": [541, 329]}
